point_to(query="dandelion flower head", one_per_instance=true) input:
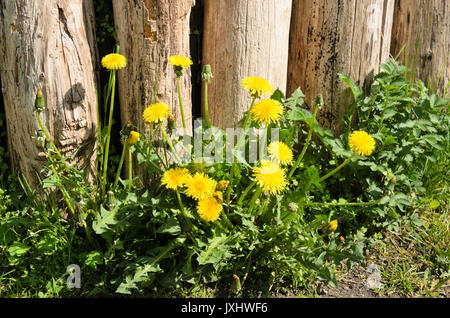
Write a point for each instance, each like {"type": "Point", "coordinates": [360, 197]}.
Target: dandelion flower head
{"type": "Point", "coordinates": [361, 143]}
{"type": "Point", "coordinates": [134, 137]}
{"type": "Point", "coordinates": [114, 61]}
{"type": "Point", "coordinates": [175, 178]}
{"type": "Point", "coordinates": [156, 112]}
{"type": "Point", "coordinates": [257, 86]}
{"type": "Point", "coordinates": [267, 111]}
{"type": "Point", "coordinates": [200, 186]}
{"type": "Point", "coordinates": [209, 209]}
{"type": "Point", "coordinates": [180, 61]}
{"type": "Point", "coordinates": [270, 177]}
{"type": "Point", "coordinates": [280, 152]}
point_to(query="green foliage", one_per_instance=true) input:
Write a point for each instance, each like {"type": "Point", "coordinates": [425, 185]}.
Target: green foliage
{"type": "Point", "coordinates": [146, 240]}
{"type": "Point", "coordinates": [411, 128]}
{"type": "Point", "coordinates": [104, 20]}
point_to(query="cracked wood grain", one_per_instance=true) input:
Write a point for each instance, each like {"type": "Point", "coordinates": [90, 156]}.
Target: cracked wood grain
{"type": "Point", "coordinates": [428, 23]}
{"type": "Point", "coordinates": [328, 37]}
{"type": "Point", "coordinates": [243, 38]}
{"type": "Point", "coordinates": [49, 45]}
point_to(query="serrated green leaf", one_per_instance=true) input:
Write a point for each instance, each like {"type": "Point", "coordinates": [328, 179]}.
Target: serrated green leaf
{"type": "Point", "coordinates": [18, 249]}
{"type": "Point", "coordinates": [105, 221]}
{"type": "Point", "coordinates": [93, 259]}
{"type": "Point", "coordinates": [434, 204]}
{"type": "Point", "coordinates": [356, 90]}
{"type": "Point", "coordinates": [171, 226]}
{"type": "Point", "coordinates": [277, 95]}
{"type": "Point", "coordinates": [216, 247]}
{"type": "Point", "coordinates": [299, 114]}
{"type": "Point", "coordinates": [142, 271]}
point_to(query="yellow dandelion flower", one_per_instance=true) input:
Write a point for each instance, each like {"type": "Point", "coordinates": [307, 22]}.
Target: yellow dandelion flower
{"type": "Point", "coordinates": [134, 137]}
{"type": "Point", "coordinates": [333, 225]}
{"type": "Point", "coordinates": [114, 61]}
{"type": "Point", "coordinates": [257, 86]}
{"type": "Point", "coordinates": [209, 209]}
{"type": "Point", "coordinates": [156, 112]}
{"type": "Point", "coordinates": [200, 186]}
{"type": "Point", "coordinates": [175, 178]}
{"type": "Point", "coordinates": [270, 177]}
{"type": "Point", "coordinates": [280, 152]}
{"type": "Point", "coordinates": [267, 111]}
{"type": "Point", "coordinates": [180, 61]}
{"type": "Point", "coordinates": [361, 143]}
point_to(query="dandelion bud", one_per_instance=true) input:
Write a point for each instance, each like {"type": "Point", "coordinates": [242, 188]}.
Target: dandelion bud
{"type": "Point", "coordinates": [222, 185]}
{"type": "Point", "coordinates": [318, 101]}
{"type": "Point", "coordinates": [342, 239]}
{"type": "Point", "coordinates": [207, 74]}
{"type": "Point", "coordinates": [293, 207]}
{"type": "Point", "coordinates": [125, 132]}
{"type": "Point", "coordinates": [39, 103]}
{"type": "Point", "coordinates": [170, 122]}
{"type": "Point", "coordinates": [110, 199]}
{"type": "Point", "coordinates": [40, 136]}
{"type": "Point", "coordinates": [236, 286]}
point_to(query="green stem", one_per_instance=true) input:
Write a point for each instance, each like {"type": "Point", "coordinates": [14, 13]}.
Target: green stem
{"type": "Point", "coordinates": [308, 139]}
{"type": "Point", "coordinates": [347, 203]}
{"type": "Point", "coordinates": [227, 220]}
{"type": "Point", "coordinates": [253, 200]}
{"type": "Point", "coordinates": [329, 174]}
{"type": "Point", "coordinates": [99, 125]}
{"type": "Point", "coordinates": [88, 235]}
{"type": "Point", "coordinates": [247, 122]}
{"type": "Point", "coordinates": [208, 122]}
{"type": "Point", "coordinates": [108, 134]}
{"type": "Point", "coordinates": [247, 268]}
{"type": "Point", "coordinates": [130, 169]}
{"type": "Point", "coordinates": [263, 142]}
{"type": "Point", "coordinates": [181, 104]}
{"type": "Point", "coordinates": [122, 157]}
{"type": "Point", "coordinates": [183, 212]}
{"type": "Point", "coordinates": [47, 136]}
{"type": "Point", "coordinates": [170, 144]}
{"type": "Point", "coordinates": [108, 92]}
{"type": "Point", "coordinates": [151, 133]}
{"type": "Point", "coordinates": [244, 194]}
{"type": "Point", "coordinates": [63, 189]}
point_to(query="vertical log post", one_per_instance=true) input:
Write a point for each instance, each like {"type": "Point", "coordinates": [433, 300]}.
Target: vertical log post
{"type": "Point", "coordinates": [149, 31]}
{"type": "Point", "coordinates": [243, 38]}
{"type": "Point", "coordinates": [328, 37]}
{"type": "Point", "coordinates": [427, 24]}
{"type": "Point", "coordinates": [48, 45]}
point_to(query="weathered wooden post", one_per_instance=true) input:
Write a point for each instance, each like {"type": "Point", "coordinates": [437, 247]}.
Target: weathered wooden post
{"type": "Point", "coordinates": [424, 25]}
{"type": "Point", "coordinates": [328, 37]}
{"type": "Point", "coordinates": [243, 38]}
{"type": "Point", "coordinates": [48, 45]}
{"type": "Point", "coordinates": [148, 33]}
